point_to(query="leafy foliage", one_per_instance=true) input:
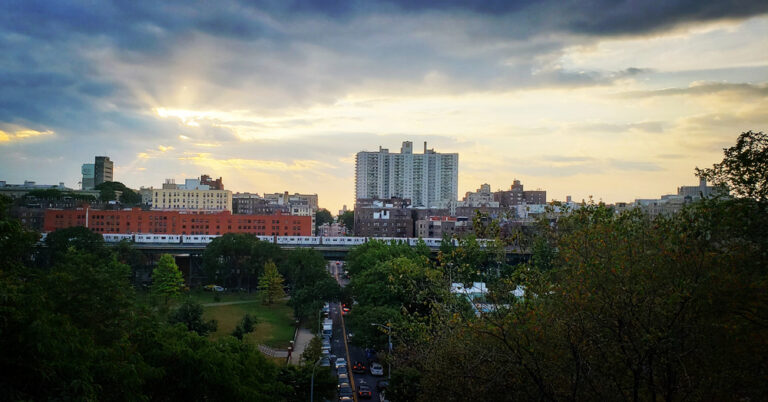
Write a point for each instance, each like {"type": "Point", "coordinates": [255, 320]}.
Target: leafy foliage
{"type": "Point", "coordinates": [245, 326]}
{"type": "Point", "coordinates": [744, 168]}
{"type": "Point", "coordinates": [348, 219]}
{"type": "Point", "coordinates": [191, 315]}
{"type": "Point", "coordinates": [271, 284]}
{"type": "Point", "coordinates": [236, 258]}
{"type": "Point", "coordinates": [108, 191]}
{"type": "Point", "coordinates": [166, 277]}
{"type": "Point", "coordinates": [323, 216]}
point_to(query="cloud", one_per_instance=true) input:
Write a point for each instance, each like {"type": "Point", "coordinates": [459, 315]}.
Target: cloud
{"type": "Point", "coordinates": [7, 137]}
{"type": "Point", "coordinates": [704, 88]}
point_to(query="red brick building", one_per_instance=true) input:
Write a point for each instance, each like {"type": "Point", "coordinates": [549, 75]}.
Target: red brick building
{"type": "Point", "coordinates": [177, 222]}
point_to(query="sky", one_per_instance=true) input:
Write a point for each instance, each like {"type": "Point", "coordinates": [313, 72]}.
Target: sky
{"type": "Point", "coordinates": [616, 100]}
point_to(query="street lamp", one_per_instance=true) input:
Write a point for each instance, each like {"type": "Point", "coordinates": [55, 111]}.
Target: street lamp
{"type": "Point", "coordinates": [389, 341]}
{"type": "Point", "coordinates": [312, 381]}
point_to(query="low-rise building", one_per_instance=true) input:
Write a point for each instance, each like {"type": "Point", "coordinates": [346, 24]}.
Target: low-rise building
{"type": "Point", "coordinates": [176, 222]}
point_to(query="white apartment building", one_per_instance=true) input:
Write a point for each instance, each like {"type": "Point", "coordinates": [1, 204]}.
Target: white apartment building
{"type": "Point", "coordinates": [191, 199]}
{"type": "Point", "coordinates": [428, 180]}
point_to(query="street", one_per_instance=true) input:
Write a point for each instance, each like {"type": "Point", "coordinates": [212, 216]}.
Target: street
{"type": "Point", "coordinates": [340, 345]}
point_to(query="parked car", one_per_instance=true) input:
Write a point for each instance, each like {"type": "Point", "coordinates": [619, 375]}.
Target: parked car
{"type": "Point", "coordinates": [342, 370]}
{"type": "Point", "coordinates": [376, 369]}
{"type": "Point", "coordinates": [213, 288]}
{"type": "Point", "coordinates": [325, 362]}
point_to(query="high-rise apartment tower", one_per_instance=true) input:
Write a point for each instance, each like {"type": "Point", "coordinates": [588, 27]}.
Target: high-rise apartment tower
{"type": "Point", "coordinates": [102, 170]}
{"type": "Point", "coordinates": [428, 179]}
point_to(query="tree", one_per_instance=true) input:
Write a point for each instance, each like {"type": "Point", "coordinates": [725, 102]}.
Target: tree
{"type": "Point", "coordinates": [191, 315]}
{"type": "Point", "coordinates": [235, 258]}
{"type": "Point", "coordinates": [245, 326]}
{"type": "Point", "coordinates": [348, 219]}
{"type": "Point", "coordinates": [109, 191]}
{"type": "Point", "coordinates": [77, 238]}
{"type": "Point", "coordinates": [323, 216]}
{"type": "Point", "coordinates": [313, 351]}
{"type": "Point", "coordinates": [166, 277]}
{"type": "Point", "coordinates": [271, 284]}
{"type": "Point", "coordinates": [744, 169]}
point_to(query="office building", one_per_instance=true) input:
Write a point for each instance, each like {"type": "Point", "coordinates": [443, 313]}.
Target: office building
{"type": "Point", "coordinates": [103, 170]}
{"type": "Point", "coordinates": [88, 171]}
{"type": "Point", "coordinates": [427, 179]}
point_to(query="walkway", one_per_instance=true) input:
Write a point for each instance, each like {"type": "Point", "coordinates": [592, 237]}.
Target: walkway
{"type": "Point", "coordinates": [303, 336]}
{"type": "Point", "coordinates": [228, 303]}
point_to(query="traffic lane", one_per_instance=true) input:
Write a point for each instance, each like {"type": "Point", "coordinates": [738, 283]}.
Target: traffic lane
{"type": "Point", "coordinates": [358, 354]}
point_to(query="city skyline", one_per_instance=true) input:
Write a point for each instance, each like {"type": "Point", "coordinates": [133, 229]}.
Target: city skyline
{"type": "Point", "coordinates": [614, 101]}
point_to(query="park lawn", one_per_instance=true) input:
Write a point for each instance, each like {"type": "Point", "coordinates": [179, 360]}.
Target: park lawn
{"type": "Point", "coordinates": [275, 326]}
{"type": "Point", "coordinates": [204, 297]}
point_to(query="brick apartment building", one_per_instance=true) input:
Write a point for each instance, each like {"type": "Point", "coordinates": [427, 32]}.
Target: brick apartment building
{"type": "Point", "coordinates": [177, 222]}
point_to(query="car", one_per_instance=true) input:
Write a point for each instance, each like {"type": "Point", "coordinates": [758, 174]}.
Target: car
{"type": "Point", "coordinates": [345, 398]}
{"type": "Point", "coordinates": [346, 391]}
{"type": "Point", "coordinates": [325, 362]}
{"type": "Point", "coordinates": [364, 391]}
{"type": "Point", "coordinates": [343, 377]}
{"type": "Point", "coordinates": [340, 362]}
{"type": "Point", "coordinates": [345, 310]}
{"type": "Point", "coordinates": [358, 368]}
{"type": "Point", "coordinates": [213, 288]}
{"type": "Point", "coordinates": [376, 369]}
{"type": "Point", "coordinates": [382, 385]}
{"type": "Point", "coordinates": [343, 384]}
{"type": "Point", "coordinates": [342, 370]}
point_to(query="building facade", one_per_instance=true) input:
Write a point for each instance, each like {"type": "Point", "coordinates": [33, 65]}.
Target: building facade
{"type": "Point", "coordinates": [253, 204]}
{"type": "Point", "coordinates": [383, 218]}
{"type": "Point", "coordinates": [516, 195]}
{"type": "Point", "coordinates": [176, 222]}
{"type": "Point", "coordinates": [427, 179]}
{"type": "Point", "coordinates": [88, 171]}
{"type": "Point", "coordinates": [103, 170]}
{"type": "Point", "coordinates": [212, 184]}
{"type": "Point", "coordinates": [191, 200]}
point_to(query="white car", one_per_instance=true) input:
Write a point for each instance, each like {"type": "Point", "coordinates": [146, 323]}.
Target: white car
{"type": "Point", "coordinates": [340, 362]}
{"type": "Point", "coordinates": [377, 369]}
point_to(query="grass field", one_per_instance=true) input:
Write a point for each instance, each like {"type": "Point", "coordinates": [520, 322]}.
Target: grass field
{"type": "Point", "coordinates": [275, 325]}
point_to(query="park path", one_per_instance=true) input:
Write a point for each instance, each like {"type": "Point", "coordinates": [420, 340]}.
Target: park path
{"type": "Point", "coordinates": [228, 303]}
{"type": "Point", "coordinates": [303, 336]}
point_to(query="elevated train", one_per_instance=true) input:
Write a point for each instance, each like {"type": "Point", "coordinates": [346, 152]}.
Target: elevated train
{"type": "Point", "coordinates": [155, 238]}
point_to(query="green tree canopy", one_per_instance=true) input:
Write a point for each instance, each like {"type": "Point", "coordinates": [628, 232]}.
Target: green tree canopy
{"type": "Point", "coordinates": [108, 191]}
{"type": "Point", "coordinates": [271, 284]}
{"type": "Point", "coordinates": [191, 315]}
{"type": "Point", "coordinates": [348, 219]}
{"type": "Point", "coordinates": [166, 277]}
{"type": "Point", "coordinates": [744, 168]}
{"type": "Point", "coordinates": [235, 258]}
{"type": "Point", "coordinates": [323, 216]}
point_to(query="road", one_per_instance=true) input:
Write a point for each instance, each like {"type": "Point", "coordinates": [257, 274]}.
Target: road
{"type": "Point", "coordinates": [340, 345]}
